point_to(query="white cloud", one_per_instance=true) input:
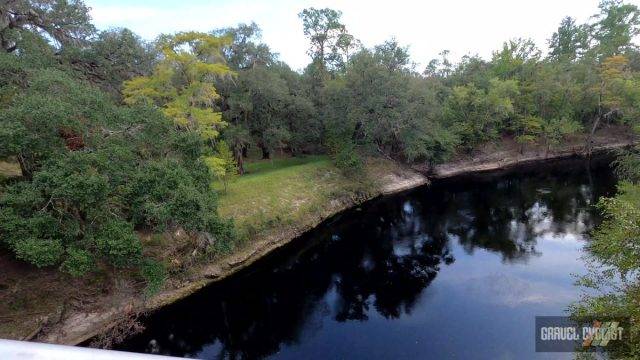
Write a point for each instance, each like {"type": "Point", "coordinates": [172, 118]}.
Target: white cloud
{"type": "Point", "coordinates": [471, 26]}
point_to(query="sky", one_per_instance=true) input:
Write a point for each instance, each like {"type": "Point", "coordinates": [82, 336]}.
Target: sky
{"type": "Point", "coordinates": [475, 27]}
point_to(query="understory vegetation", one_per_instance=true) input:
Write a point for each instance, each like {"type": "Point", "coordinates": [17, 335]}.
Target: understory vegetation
{"type": "Point", "coordinates": [105, 136]}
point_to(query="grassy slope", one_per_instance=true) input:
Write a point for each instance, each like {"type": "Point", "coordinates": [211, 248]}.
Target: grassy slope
{"type": "Point", "coordinates": [9, 169]}
{"type": "Point", "coordinates": [281, 191]}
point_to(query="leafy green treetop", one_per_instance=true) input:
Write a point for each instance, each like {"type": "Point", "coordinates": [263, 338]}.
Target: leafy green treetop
{"type": "Point", "coordinates": [331, 44]}
{"type": "Point", "coordinates": [570, 41]}
{"type": "Point", "coordinates": [183, 83]}
{"type": "Point", "coordinates": [65, 21]}
{"type": "Point", "coordinates": [616, 26]}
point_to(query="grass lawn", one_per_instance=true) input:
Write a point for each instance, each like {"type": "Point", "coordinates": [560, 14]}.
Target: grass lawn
{"type": "Point", "coordinates": [281, 191]}
{"type": "Point", "coordinates": [9, 169]}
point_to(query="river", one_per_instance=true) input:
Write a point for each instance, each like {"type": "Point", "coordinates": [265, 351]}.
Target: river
{"type": "Point", "coordinates": [458, 269]}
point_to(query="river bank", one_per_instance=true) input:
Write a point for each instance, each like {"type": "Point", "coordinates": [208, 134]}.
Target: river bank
{"type": "Point", "coordinates": [378, 279]}
{"type": "Point", "coordinates": [77, 325]}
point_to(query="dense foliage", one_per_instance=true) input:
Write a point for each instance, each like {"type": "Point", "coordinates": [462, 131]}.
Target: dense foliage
{"type": "Point", "coordinates": [614, 276]}
{"type": "Point", "coordinates": [93, 171]}
{"type": "Point", "coordinates": [375, 102]}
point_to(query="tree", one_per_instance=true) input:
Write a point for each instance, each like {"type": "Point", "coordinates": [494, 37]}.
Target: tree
{"type": "Point", "coordinates": [330, 42]}
{"type": "Point", "coordinates": [222, 163]}
{"type": "Point", "coordinates": [380, 105]}
{"type": "Point", "coordinates": [478, 115]}
{"type": "Point", "coordinates": [619, 87]}
{"type": "Point", "coordinates": [570, 41]}
{"type": "Point", "coordinates": [114, 56]}
{"type": "Point", "coordinates": [257, 101]}
{"type": "Point", "coordinates": [618, 93]}
{"type": "Point", "coordinates": [441, 67]}
{"type": "Point", "coordinates": [554, 130]}
{"type": "Point", "coordinates": [238, 139]}
{"type": "Point", "coordinates": [272, 103]}
{"type": "Point", "coordinates": [42, 124]}
{"type": "Point", "coordinates": [616, 26]}
{"type": "Point", "coordinates": [516, 57]}
{"type": "Point", "coordinates": [346, 45]}
{"type": "Point", "coordinates": [183, 82]}
{"type": "Point", "coordinates": [245, 50]}
{"type": "Point", "coordinates": [93, 173]}
{"type": "Point", "coordinates": [470, 70]}
{"type": "Point", "coordinates": [613, 281]}
{"type": "Point", "coordinates": [393, 56]}
{"type": "Point", "coordinates": [65, 21]}
{"type": "Point", "coordinates": [528, 129]}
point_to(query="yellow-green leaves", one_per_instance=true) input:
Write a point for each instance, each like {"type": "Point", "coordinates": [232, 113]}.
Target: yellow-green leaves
{"type": "Point", "coordinates": [217, 166]}
{"type": "Point", "coordinates": [183, 82]}
{"type": "Point", "coordinates": [222, 164]}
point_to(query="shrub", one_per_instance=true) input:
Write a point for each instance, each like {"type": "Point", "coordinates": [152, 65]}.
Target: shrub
{"type": "Point", "coordinates": [78, 262]}
{"type": "Point", "coordinates": [39, 252]}
{"type": "Point", "coordinates": [348, 160]}
{"type": "Point", "coordinates": [118, 243]}
{"type": "Point", "coordinates": [154, 274]}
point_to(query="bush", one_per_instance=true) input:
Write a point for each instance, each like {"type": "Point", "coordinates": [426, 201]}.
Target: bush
{"type": "Point", "coordinates": [225, 235]}
{"type": "Point", "coordinates": [154, 274]}
{"type": "Point", "coordinates": [612, 283]}
{"type": "Point", "coordinates": [165, 193]}
{"type": "Point", "coordinates": [348, 160]}
{"type": "Point", "coordinates": [118, 243]}
{"type": "Point", "coordinates": [78, 262]}
{"type": "Point", "coordinates": [39, 252]}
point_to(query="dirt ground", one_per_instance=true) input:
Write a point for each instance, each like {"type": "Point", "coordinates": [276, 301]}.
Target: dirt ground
{"type": "Point", "coordinates": [32, 300]}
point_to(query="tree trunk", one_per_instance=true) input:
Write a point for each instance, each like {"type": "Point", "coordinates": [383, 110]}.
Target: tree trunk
{"type": "Point", "coordinates": [26, 173]}
{"type": "Point", "coordinates": [240, 161]}
{"type": "Point", "coordinates": [265, 152]}
{"type": "Point", "coordinates": [607, 117]}
{"type": "Point", "coordinates": [589, 144]}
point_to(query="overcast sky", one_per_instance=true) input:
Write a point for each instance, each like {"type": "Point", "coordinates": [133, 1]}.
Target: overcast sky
{"type": "Point", "coordinates": [427, 27]}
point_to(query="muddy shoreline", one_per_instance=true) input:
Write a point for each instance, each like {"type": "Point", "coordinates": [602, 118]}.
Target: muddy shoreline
{"type": "Point", "coordinates": [77, 327]}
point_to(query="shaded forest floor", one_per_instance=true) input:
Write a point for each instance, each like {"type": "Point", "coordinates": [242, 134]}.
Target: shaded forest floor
{"type": "Point", "coordinates": [276, 201]}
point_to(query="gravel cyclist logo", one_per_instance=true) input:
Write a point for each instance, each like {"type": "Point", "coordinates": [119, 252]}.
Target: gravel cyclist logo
{"type": "Point", "coordinates": [600, 334]}
{"type": "Point", "coordinates": [562, 334]}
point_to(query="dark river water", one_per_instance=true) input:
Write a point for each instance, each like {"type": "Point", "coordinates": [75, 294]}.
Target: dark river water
{"type": "Point", "coordinates": [458, 269]}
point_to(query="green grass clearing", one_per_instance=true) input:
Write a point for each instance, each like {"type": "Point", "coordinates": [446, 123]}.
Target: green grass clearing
{"type": "Point", "coordinates": [281, 191]}
{"type": "Point", "coordinates": [9, 169]}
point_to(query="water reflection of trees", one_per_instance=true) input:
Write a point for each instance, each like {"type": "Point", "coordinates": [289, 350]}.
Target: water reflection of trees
{"type": "Point", "coordinates": [396, 258]}
{"type": "Point", "coordinates": [377, 260]}
{"type": "Point", "coordinates": [510, 215]}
